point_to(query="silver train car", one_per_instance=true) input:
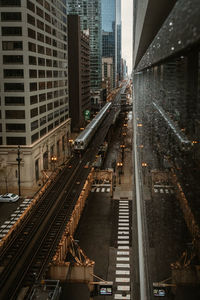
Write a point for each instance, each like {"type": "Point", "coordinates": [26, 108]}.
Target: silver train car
{"type": "Point", "coordinates": [82, 141]}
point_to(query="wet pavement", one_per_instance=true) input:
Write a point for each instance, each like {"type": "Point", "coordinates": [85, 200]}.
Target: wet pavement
{"type": "Point", "coordinates": [105, 229]}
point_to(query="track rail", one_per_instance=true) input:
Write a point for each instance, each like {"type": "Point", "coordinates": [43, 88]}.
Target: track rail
{"type": "Point", "coordinates": [26, 256]}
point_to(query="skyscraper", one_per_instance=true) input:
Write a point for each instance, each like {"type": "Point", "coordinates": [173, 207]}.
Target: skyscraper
{"type": "Point", "coordinates": [111, 34]}
{"type": "Point", "coordinates": [34, 88]}
{"type": "Point", "coordinates": [90, 18]}
{"type": "Point", "coordinates": [79, 72]}
{"type": "Point", "coordinates": [119, 37]}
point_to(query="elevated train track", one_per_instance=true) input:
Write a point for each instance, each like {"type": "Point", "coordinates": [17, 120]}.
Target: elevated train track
{"type": "Point", "coordinates": [25, 257]}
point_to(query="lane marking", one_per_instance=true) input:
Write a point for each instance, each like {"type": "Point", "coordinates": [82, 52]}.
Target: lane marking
{"type": "Point", "coordinates": [122, 272]}
{"type": "Point", "coordinates": [122, 279]}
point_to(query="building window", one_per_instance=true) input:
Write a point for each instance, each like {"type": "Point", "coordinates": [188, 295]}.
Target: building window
{"type": "Point", "coordinates": [42, 120]}
{"type": "Point", "coordinates": [33, 73]}
{"type": "Point", "coordinates": [11, 16]}
{"type": "Point", "coordinates": [32, 60]}
{"type": "Point", "coordinates": [42, 109]}
{"type": "Point", "coordinates": [49, 106]}
{"type": "Point", "coordinates": [49, 84]}
{"type": "Point", "coordinates": [49, 74]}
{"type": "Point", "coordinates": [30, 6]}
{"type": "Point", "coordinates": [31, 47]}
{"type": "Point", "coordinates": [15, 127]}
{"type": "Point", "coordinates": [31, 20]}
{"type": "Point", "coordinates": [48, 40]}
{"type": "Point", "coordinates": [10, 45]}
{"type": "Point", "coordinates": [34, 125]}
{"type": "Point", "coordinates": [13, 59]}
{"type": "Point", "coordinates": [40, 24]}
{"type": "Point", "coordinates": [41, 61]}
{"type": "Point", "coordinates": [16, 31]}
{"type": "Point", "coordinates": [49, 62]}
{"type": "Point", "coordinates": [40, 2]}
{"type": "Point", "coordinates": [34, 138]}
{"type": "Point", "coordinates": [31, 33]}
{"type": "Point", "coordinates": [40, 37]}
{"type": "Point", "coordinates": [41, 74]}
{"type": "Point", "coordinates": [14, 101]}
{"type": "Point", "coordinates": [42, 97]}
{"type": "Point", "coordinates": [13, 73]}
{"type": "Point", "coordinates": [43, 132]}
{"type": "Point", "coordinates": [50, 127]}
{"type": "Point", "coordinates": [34, 112]}
{"type": "Point", "coordinates": [48, 29]}
{"type": "Point", "coordinates": [15, 114]}
{"type": "Point", "coordinates": [16, 140]}
{"type": "Point", "coordinates": [49, 95]}
{"type": "Point", "coordinates": [39, 12]}
{"type": "Point", "coordinates": [48, 51]}
{"type": "Point", "coordinates": [47, 18]}
{"type": "Point", "coordinates": [33, 99]}
{"type": "Point", "coordinates": [33, 86]}
{"type": "Point", "coordinates": [40, 49]}
{"type": "Point", "coordinates": [12, 87]}
{"type": "Point", "coordinates": [50, 117]}
{"type": "Point", "coordinates": [41, 85]}
{"type": "Point", "coordinates": [56, 113]}
{"type": "Point", "coordinates": [9, 3]}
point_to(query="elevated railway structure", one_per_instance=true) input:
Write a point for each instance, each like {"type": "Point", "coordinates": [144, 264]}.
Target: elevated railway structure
{"type": "Point", "coordinates": [25, 256]}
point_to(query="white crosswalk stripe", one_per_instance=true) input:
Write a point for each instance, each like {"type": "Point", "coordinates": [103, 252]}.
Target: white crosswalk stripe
{"type": "Point", "coordinates": [159, 189]}
{"type": "Point", "coordinates": [100, 189]}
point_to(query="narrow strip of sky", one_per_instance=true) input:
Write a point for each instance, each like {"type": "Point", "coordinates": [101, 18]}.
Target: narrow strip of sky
{"type": "Point", "coordinates": [127, 32]}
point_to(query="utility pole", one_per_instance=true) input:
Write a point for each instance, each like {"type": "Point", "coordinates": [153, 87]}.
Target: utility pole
{"type": "Point", "coordinates": [18, 159]}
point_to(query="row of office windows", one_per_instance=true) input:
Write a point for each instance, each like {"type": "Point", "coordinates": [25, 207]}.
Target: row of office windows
{"type": "Point", "coordinates": [20, 114]}
{"type": "Point", "coordinates": [33, 73]}
{"type": "Point", "coordinates": [61, 15]}
{"type": "Point", "coordinates": [19, 100]}
{"type": "Point", "coordinates": [18, 140]}
{"type": "Point", "coordinates": [18, 59]}
{"type": "Point", "coordinates": [18, 45]}
{"type": "Point", "coordinates": [45, 130]}
{"type": "Point", "coordinates": [33, 86]}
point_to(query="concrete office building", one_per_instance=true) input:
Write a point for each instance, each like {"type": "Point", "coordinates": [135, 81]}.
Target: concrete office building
{"type": "Point", "coordinates": [34, 90]}
{"type": "Point", "coordinates": [107, 74]}
{"type": "Point", "coordinates": [79, 72]}
{"type": "Point", "coordinates": [90, 18]}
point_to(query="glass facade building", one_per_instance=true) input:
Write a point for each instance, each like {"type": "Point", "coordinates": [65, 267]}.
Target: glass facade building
{"type": "Point", "coordinates": [90, 18]}
{"type": "Point", "coordinates": [111, 34]}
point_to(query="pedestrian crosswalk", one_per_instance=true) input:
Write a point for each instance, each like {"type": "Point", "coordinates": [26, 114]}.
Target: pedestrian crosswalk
{"type": "Point", "coordinates": [162, 189]}
{"type": "Point", "coordinates": [101, 188]}
{"type": "Point", "coordinates": [122, 272]}
{"type": "Point", "coordinates": [5, 228]}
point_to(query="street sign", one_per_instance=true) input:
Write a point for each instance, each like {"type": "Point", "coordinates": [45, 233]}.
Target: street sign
{"type": "Point", "coordinates": [105, 288]}
{"type": "Point", "coordinates": [87, 114]}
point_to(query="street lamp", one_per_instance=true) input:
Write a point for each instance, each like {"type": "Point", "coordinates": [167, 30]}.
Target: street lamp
{"type": "Point", "coordinates": [119, 165]}
{"type": "Point", "coordinates": [122, 147]}
{"type": "Point", "coordinates": [18, 159]}
{"type": "Point", "coordinates": [53, 160]}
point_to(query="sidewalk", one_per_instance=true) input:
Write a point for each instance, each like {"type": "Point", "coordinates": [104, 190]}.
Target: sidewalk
{"type": "Point", "coordinates": [121, 269]}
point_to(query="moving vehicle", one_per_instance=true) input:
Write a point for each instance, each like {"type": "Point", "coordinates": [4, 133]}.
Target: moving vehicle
{"type": "Point", "coordinates": [9, 197]}
{"type": "Point", "coordinates": [82, 141]}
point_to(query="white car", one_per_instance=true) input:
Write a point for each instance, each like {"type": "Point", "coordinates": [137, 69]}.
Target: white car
{"type": "Point", "coordinates": [9, 197]}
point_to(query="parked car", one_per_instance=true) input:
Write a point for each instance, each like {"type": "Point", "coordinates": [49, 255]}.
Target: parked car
{"type": "Point", "coordinates": [9, 197]}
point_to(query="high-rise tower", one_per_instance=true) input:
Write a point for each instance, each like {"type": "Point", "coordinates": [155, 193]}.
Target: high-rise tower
{"type": "Point", "coordinates": [111, 35]}
{"type": "Point", "coordinates": [90, 18]}
{"type": "Point", "coordinates": [34, 88]}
